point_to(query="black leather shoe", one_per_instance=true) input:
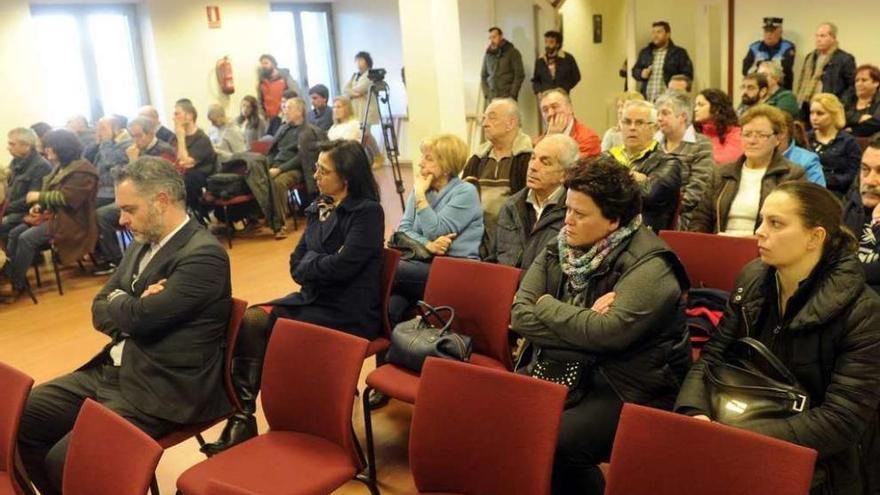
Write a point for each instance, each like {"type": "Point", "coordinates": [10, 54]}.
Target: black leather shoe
{"type": "Point", "coordinates": [378, 400]}
{"type": "Point", "coordinates": [239, 428]}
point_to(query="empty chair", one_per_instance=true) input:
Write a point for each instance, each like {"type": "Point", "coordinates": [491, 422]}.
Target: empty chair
{"type": "Point", "coordinates": [220, 488]}
{"type": "Point", "coordinates": [308, 379]}
{"type": "Point", "coordinates": [108, 455]}
{"type": "Point", "coordinates": [15, 386]}
{"type": "Point", "coordinates": [175, 437]}
{"type": "Point", "coordinates": [480, 312]}
{"type": "Point", "coordinates": [502, 446]}
{"type": "Point", "coordinates": [711, 260]}
{"type": "Point", "coordinates": [660, 453]}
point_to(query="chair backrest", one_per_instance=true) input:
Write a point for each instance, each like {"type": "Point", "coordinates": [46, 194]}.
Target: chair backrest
{"type": "Point", "coordinates": [108, 455]}
{"type": "Point", "coordinates": [15, 386]}
{"type": "Point", "coordinates": [711, 260]}
{"type": "Point", "coordinates": [235, 317]}
{"type": "Point", "coordinates": [309, 375]}
{"type": "Point", "coordinates": [492, 447]}
{"type": "Point", "coordinates": [391, 258]}
{"type": "Point", "coordinates": [660, 453]}
{"type": "Point", "coordinates": [216, 487]}
{"type": "Point", "coordinates": [262, 146]}
{"type": "Point", "coordinates": [482, 295]}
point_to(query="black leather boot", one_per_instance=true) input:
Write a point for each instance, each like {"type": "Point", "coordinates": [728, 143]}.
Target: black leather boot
{"type": "Point", "coordinates": [246, 373]}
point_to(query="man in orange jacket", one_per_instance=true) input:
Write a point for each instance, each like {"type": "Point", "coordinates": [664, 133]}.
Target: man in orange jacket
{"type": "Point", "coordinates": [559, 118]}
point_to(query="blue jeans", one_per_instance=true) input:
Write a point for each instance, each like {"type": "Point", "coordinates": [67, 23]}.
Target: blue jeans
{"type": "Point", "coordinates": [21, 247]}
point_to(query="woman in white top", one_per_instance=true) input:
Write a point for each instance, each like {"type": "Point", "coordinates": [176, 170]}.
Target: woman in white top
{"type": "Point", "coordinates": [253, 126]}
{"type": "Point", "coordinates": [733, 199]}
{"type": "Point", "coordinates": [345, 124]}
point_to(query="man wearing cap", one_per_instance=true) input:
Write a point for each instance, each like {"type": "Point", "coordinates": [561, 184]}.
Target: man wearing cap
{"type": "Point", "coordinates": [320, 115]}
{"type": "Point", "coordinates": [772, 47]}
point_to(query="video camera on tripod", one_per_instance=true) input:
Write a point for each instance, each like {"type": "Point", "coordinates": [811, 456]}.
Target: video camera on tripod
{"type": "Point", "coordinates": [379, 90]}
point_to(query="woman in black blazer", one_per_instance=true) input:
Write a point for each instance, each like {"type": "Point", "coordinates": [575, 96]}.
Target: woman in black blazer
{"type": "Point", "coordinates": [338, 265]}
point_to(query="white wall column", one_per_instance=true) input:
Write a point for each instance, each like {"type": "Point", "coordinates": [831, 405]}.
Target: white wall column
{"type": "Point", "coordinates": [432, 59]}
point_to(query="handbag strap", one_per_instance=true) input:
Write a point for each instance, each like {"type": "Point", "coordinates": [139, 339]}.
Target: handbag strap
{"type": "Point", "coordinates": [434, 311]}
{"type": "Point", "coordinates": [771, 359]}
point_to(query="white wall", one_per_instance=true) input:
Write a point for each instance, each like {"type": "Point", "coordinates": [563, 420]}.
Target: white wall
{"type": "Point", "coordinates": [598, 62]}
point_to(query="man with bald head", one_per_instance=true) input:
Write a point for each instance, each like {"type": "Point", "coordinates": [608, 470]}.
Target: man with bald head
{"type": "Point", "coordinates": [531, 218]}
{"type": "Point", "coordinates": [827, 69]}
{"type": "Point", "coordinates": [558, 113]}
{"type": "Point", "coordinates": [162, 133]}
{"type": "Point", "coordinates": [499, 166]}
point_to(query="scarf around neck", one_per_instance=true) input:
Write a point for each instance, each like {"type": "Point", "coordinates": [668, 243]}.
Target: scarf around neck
{"type": "Point", "coordinates": [811, 75]}
{"type": "Point", "coordinates": [578, 264]}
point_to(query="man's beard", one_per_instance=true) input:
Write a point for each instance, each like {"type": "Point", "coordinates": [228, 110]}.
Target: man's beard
{"type": "Point", "coordinates": [748, 100]}
{"type": "Point", "coordinates": [153, 228]}
{"type": "Point", "coordinates": [266, 72]}
{"type": "Point", "coordinates": [551, 52]}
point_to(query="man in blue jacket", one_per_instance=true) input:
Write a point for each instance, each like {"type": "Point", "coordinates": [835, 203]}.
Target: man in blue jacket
{"type": "Point", "coordinates": [772, 47]}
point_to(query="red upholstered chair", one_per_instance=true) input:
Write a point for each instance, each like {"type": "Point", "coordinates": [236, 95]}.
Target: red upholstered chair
{"type": "Point", "coordinates": [502, 445]}
{"type": "Point", "coordinates": [262, 146]}
{"type": "Point", "coordinates": [308, 379]}
{"type": "Point", "coordinates": [15, 386]}
{"type": "Point", "coordinates": [108, 455]}
{"type": "Point", "coordinates": [219, 488]}
{"type": "Point", "coordinates": [482, 295]}
{"type": "Point", "coordinates": [178, 436]}
{"type": "Point", "coordinates": [660, 453]}
{"type": "Point", "coordinates": [711, 260]}
{"type": "Point", "coordinates": [390, 260]}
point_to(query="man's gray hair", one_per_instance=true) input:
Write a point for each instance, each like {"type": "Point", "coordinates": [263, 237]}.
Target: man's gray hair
{"type": "Point", "coordinates": [832, 28]}
{"type": "Point", "coordinates": [569, 153]}
{"type": "Point", "coordinates": [511, 108]}
{"type": "Point", "coordinates": [145, 123]}
{"type": "Point", "coordinates": [774, 69]}
{"type": "Point", "coordinates": [151, 175]}
{"type": "Point", "coordinates": [24, 135]}
{"type": "Point", "coordinates": [647, 105]}
{"type": "Point", "coordinates": [680, 103]}
{"type": "Point", "coordinates": [299, 102]}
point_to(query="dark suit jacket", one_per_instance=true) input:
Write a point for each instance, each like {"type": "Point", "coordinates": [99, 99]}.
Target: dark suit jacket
{"type": "Point", "coordinates": [338, 264]}
{"type": "Point", "coordinates": [172, 362]}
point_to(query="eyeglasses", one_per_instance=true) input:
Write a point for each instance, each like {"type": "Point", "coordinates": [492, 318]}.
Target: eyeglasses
{"type": "Point", "coordinates": [634, 123]}
{"type": "Point", "coordinates": [321, 171]}
{"type": "Point", "coordinates": [760, 136]}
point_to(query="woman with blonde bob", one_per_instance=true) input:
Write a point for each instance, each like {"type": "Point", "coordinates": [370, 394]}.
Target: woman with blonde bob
{"type": "Point", "coordinates": [345, 125]}
{"type": "Point", "coordinates": [443, 214]}
{"type": "Point", "coordinates": [838, 150]}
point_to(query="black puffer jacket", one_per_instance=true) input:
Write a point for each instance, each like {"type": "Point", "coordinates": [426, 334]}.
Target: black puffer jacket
{"type": "Point", "coordinates": [641, 345]}
{"type": "Point", "coordinates": [662, 188]}
{"type": "Point", "coordinates": [835, 354]}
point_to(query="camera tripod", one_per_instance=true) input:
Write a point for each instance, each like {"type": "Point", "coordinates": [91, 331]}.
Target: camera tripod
{"type": "Point", "coordinates": [379, 89]}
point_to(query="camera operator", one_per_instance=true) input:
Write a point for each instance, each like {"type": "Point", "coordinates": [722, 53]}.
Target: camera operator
{"type": "Point", "coordinates": [358, 89]}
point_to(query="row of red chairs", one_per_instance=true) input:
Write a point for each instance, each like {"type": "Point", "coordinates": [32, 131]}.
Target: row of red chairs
{"type": "Point", "coordinates": [473, 446]}
{"type": "Point", "coordinates": [483, 318]}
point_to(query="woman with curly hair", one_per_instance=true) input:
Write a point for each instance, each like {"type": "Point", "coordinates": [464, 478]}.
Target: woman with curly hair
{"type": "Point", "coordinates": [716, 119]}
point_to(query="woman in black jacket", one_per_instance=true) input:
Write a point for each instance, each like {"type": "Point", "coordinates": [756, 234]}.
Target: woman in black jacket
{"type": "Point", "coordinates": [807, 301]}
{"type": "Point", "coordinates": [338, 265]}
{"type": "Point", "coordinates": [862, 102]}
{"type": "Point", "coordinates": [838, 150]}
{"type": "Point", "coordinates": [605, 297]}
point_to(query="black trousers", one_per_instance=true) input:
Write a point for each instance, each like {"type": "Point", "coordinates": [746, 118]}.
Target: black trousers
{"type": "Point", "coordinates": [195, 182]}
{"type": "Point", "coordinates": [51, 411]}
{"type": "Point", "coordinates": [585, 438]}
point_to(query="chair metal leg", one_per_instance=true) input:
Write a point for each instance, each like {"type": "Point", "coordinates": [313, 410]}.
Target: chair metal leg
{"type": "Point", "coordinates": [57, 273]}
{"type": "Point", "coordinates": [30, 292]}
{"type": "Point", "coordinates": [200, 439]}
{"type": "Point", "coordinates": [357, 447]}
{"type": "Point", "coordinates": [230, 230]}
{"type": "Point", "coordinates": [154, 486]}
{"type": "Point", "coordinates": [37, 274]}
{"type": "Point", "coordinates": [371, 485]}
{"type": "Point", "coordinates": [368, 433]}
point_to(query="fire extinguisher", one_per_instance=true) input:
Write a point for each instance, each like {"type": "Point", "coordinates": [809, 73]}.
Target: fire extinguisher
{"type": "Point", "coordinates": [224, 76]}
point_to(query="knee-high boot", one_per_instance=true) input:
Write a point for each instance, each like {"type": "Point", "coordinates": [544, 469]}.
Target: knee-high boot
{"type": "Point", "coordinates": [246, 373]}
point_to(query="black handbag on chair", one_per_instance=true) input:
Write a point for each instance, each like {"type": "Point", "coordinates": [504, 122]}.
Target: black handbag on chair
{"type": "Point", "coordinates": [415, 340]}
{"type": "Point", "coordinates": [409, 248]}
{"type": "Point", "coordinates": [740, 393]}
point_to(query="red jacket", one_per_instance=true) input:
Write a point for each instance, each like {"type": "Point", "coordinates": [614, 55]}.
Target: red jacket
{"type": "Point", "coordinates": [588, 141]}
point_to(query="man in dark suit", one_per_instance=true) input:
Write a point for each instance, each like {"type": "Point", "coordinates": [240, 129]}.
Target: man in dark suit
{"type": "Point", "coordinates": [165, 310]}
